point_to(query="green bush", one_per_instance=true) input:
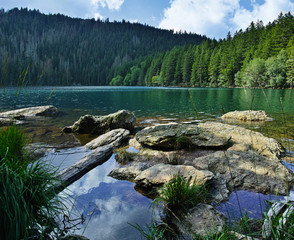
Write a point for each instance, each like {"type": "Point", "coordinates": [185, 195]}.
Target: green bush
{"type": "Point", "coordinates": [179, 195]}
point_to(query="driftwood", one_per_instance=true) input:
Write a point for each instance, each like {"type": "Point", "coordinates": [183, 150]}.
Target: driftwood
{"type": "Point", "coordinates": [80, 168]}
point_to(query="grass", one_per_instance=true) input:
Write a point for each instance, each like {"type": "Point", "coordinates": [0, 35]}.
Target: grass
{"type": "Point", "coordinates": [179, 195]}
{"type": "Point", "coordinates": [123, 156]}
{"type": "Point", "coordinates": [29, 206]}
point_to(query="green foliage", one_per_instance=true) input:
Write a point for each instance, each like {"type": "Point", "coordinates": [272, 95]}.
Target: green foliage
{"type": "Point", "coordinates": [29, 204]}
{"type": "Point", "coordinates": [253, 58]}
{"type": "Point", "coordinates": [254, 73]}
{"type": "Point", "coordinates": [282, 227]}
{"type": "Point", "coordinates": [154, 231]}
{"type": "Point", "coordinates": [12, 142]}
{"type": "Point", "coordinates": [179, 195]}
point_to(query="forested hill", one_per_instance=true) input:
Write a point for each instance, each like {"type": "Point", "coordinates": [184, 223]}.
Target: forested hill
{"type": "Point", "coordinates": [39, 49]}
{"type": "Point", "coordinates": [260, 56]}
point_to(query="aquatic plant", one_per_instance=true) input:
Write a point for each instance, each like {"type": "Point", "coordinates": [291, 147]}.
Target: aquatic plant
{"type": "Point", "coordinates": [179, 195]}
{"type": "Point", "coordinates": [154, 231]}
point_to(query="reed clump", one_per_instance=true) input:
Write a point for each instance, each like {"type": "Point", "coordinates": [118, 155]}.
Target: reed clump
{"type": "Point", "coordinates": [179, 195]}
{"type": "Point", "coordinates": [29, 204]}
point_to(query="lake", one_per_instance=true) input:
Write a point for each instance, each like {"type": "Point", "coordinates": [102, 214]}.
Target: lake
{"type": "Point", "coordinates": [108, 205]}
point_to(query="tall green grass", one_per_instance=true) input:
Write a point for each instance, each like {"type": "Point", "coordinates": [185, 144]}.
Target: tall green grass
{"type": "Point", "coordinates": [29, 206]}
{"type": "Point", "coordinates": [179, 195]}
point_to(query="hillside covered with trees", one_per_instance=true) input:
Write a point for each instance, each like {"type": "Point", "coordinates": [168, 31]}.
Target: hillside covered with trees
{"type": "Point", "coordinates": [260, 56]}
{"type": "Point", "coordinates": [39, 49]}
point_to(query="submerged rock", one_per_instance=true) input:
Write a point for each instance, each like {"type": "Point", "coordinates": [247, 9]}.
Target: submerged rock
{"type": "Point", "coordinates": [257, 141]}
{"type": "Point", "coordinates": [102, 124]}
{"type": "Point", "coordinates": [177, 136]}
{"type": "Point", "coordinates": [114, 137]}
{"type": "Point", "coordinates": [31, 111]}
{"type": "Point", "coordinates": [248, 115]}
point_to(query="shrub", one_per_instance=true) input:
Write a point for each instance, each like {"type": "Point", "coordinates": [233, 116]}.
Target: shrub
{"type": "Point", "coordinates": [179, 195]}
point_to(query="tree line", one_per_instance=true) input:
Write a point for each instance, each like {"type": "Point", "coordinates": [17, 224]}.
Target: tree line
{"type": "Point", "coordinates": [260, 56]}
{"type": "Point", "coordinates": [39, 49]}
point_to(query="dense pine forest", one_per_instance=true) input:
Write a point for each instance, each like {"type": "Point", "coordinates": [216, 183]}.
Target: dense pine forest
{"type": "Point", "coordinates": [39, 49]}
{"type": "Point", "coordinates": [261, 56]}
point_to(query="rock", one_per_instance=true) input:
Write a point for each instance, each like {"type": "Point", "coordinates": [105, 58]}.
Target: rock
{"type": "Point", "coordinates": [31, 111]}
{"type": "Point", "coordinates": [114, 137]}
{"type": "Point", "coordinates": [202, 220]}
{"type": "Point", "coordinates": [248, 115]}
{"type": "Point", "coordinates": [248, 170]}
{"type": "Point", "coordinates": [267, 146]}
{"type": "Point", "coordinates": [80, 168]}
{"type": "Point", "coordinates": [8, 121]}
{"type": "Point", "coordinates": [102, 124]}
{"type": "Point", "coordinates": [160, 174]}
{"type": "Point", "coordinates": [176, 136]}
{"type": "Point", "coordinates": [130, 172]}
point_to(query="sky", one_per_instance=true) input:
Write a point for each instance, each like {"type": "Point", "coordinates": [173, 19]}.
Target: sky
{"type": "Point", "coordinates": [212, 18]}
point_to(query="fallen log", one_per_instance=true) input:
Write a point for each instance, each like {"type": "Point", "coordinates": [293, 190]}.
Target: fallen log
{"type": "Point", "coordinates": [80, 168]}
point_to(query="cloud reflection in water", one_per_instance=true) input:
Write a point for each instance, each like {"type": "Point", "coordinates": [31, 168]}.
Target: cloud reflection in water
{"type": "Point", "coordinates": [108, 205]}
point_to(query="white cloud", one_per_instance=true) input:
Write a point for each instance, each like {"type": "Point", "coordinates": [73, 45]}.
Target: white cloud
{"type": "Point", "coordinates": [206, 17]}
{"type": "Point", "coordinates": [96, 5]}
{"type": "Point", "coordinates": [267, 12]}
{"type": "Point", "coordinates": [215, 18]}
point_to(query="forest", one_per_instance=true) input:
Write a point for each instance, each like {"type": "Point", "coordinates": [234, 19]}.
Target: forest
{"type": "Point", "coordinates": [39, 49]}
{"type": "Point", "coordinates": [261, 56]}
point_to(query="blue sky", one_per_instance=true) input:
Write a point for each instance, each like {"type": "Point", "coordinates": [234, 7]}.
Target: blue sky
{"type": "Point", "coordinates": [213, 18]}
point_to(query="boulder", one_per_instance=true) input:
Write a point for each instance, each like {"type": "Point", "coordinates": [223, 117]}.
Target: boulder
{"type": "Point", "coordinates": [248, 115]}
{"type": "Point", "coordinates": [129, 172]}
{"type": "Point", "coordinates": [176, 136]}
{"type": "Point", "coordinates": [160, 174]}
{"type": "Point", "coordinates": [114, 137]}
{"type": "Point", "coordinates": [266, 146]}
{"type": "Point", "coordinates": [202, 220]}
{"type": "Point", "coordinates": [31, 111]}
{"type": "Point", "coordinates": [102, 124]}
{"type": "Point", "coordinates": [248, 170]}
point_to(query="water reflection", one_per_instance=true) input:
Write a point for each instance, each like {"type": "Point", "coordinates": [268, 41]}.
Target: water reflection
{"type": "Point", "coordinates": [246, 202]}
{"type": "Point", "coordinates": [108, 205]}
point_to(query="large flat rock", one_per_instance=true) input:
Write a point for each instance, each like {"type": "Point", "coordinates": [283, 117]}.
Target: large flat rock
{"type": "Point", "coordinates": [160, 174]}
{"type": "Point", "coordinates": [177, 136]}
{"type": "Point", "coordinates": [266, 146]}
{"type": "Point", "coordinates": [248, 170]}
{"type": "Point", "coordinates": [102, 124]}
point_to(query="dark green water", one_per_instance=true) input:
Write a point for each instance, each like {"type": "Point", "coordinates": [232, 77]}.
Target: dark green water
{"type": "Point", "coordinates": [108, 204]}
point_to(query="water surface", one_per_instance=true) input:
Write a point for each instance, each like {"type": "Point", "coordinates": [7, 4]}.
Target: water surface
{"type": "Point", "coordinates": [109, 205]}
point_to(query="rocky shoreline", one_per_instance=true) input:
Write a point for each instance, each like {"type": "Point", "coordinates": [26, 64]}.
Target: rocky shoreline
{"type": "Point", "coordinates": [222, 156]}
